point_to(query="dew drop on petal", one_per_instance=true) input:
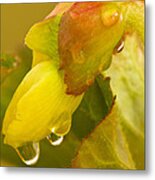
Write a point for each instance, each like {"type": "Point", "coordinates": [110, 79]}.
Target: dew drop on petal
{"type": "Point", "coordinates": [54, 140]}
{"type": "Point", "coordinates": [29, 153]}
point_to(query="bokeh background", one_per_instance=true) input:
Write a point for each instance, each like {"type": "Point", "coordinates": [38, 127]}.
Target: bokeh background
{"type": "Point", "coordinates": [16, 20]}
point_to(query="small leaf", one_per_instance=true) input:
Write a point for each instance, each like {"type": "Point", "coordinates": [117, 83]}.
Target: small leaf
{"type": "Point", "coordinates": [42, 38]}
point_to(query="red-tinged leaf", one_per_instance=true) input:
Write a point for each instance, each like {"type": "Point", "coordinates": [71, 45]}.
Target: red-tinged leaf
{"type": "Point", "coordinates": [88, 33]}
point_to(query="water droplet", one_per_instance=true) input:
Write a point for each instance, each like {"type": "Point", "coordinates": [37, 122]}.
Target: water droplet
{"type": "Point", "coordinates": [119, 47]}
{"type": "Point", "coordinates": [110, 17]}
{"type": "Point", "coordinates": [54, 139]}
{"type": "Point", "coordinates": [29, 153]}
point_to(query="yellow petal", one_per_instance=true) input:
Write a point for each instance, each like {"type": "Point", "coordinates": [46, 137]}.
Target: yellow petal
{"type": "Point", "coordinates": [39, 105]}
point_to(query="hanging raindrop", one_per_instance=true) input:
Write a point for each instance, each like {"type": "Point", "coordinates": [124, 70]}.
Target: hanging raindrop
{"type": "Point", "coordinates": [119, 47]}
{"type": "Point", "coordinates": [29, 153]}
{"type": "Point", "coordinates": [54, 139]}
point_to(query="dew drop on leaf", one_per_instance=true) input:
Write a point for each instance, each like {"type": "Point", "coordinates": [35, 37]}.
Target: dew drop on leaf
{"type": "Point", "coordinates": [54, 140]}
{"type": "Point", "coordinates": [29, 153]}
{"type": "Point", "coordinates": [119, 47]}
{"type": "Point", "coordinates": [110, 17]}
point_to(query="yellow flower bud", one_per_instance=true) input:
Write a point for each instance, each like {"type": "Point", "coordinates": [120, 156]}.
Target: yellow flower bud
{"type": "Point", "coordinates": [39, 106]}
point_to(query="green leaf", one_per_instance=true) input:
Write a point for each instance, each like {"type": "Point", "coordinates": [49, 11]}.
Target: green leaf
{"type": "Point", "coordinates": [127, 81]}
{"type": "Point", "coordinates": [106, 146]}
{"type": "Point", "coordinates": [88, 33]}
{"type": "Point", "coordinates": [118, 141]}
{"type": "Point", "coordinates": [95, 105]}
{"type": "Point", "coordinates": [127, 75]}
{"type": "Point", "coordinates": [42, 37]}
